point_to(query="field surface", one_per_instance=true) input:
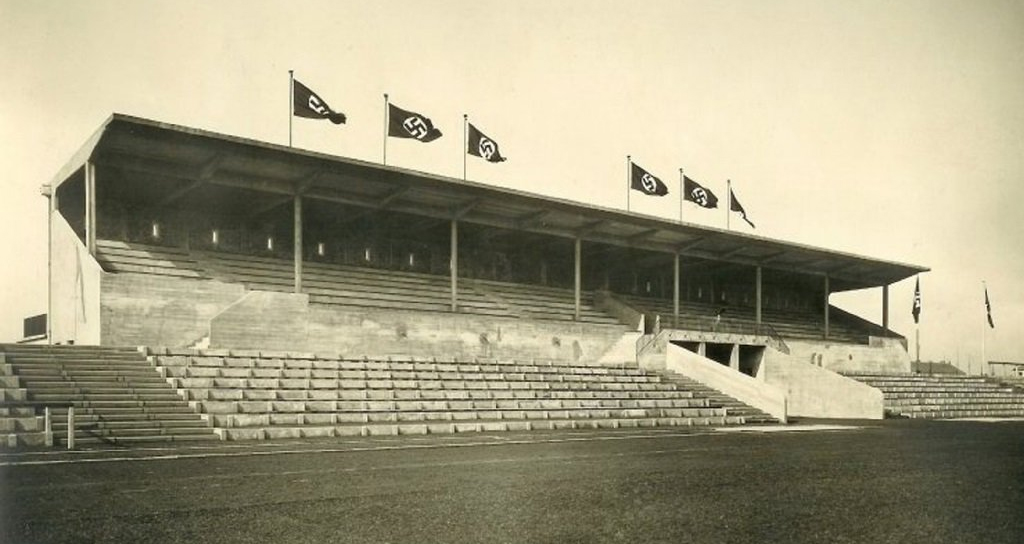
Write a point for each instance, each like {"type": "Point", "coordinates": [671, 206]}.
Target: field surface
{"type": "Point", "coordinates": [874, 481]}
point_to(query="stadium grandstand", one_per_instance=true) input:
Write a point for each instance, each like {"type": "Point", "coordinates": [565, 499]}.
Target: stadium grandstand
{"type": "Point", "coordinates": [210, 287]}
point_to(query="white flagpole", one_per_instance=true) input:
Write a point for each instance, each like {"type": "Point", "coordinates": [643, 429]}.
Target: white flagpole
{"type": "Point", "coordinates": [465, 143]}
{"type": "Point", "coordinates": [291, 103]}
{"type": "Point", "coordinates": [680, 195]}
{"type": "Point", "coordinates": [984, 324]}
{"type": "Point", "coordinates": [386, 112]}
{"type": "Point", "coordinates": [728, 203]}
{"type": "Point", "coordinates": [629, 164]}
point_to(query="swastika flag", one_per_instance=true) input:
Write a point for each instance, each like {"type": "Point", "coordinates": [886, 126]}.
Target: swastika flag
{"type": "Point", "coordinates": [916, 310]}
{"type": "Point", "coordinates": [643, 181]}
{"type": "Point", "coordinates": [409, 124]}
{"type": "Point", "coordinates": [481, 146]}
{"type": "Point", "coordinates": [988, 310]}
{"type": "Point", "coordinates": [698, 194]}
{"type": "Point", "coordinates": [734, 205]}
{"type": "Point", "coordinates": [306, 103]}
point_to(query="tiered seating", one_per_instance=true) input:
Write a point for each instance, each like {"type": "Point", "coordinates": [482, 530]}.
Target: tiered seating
{"type": "Point", "coordinates": [19, 424]}
{"type": "Point", "coordinates": [541, 302]}
{"type": "Point", "coordinates": [118, 397]}
{"type": "Point", "coordinates": [115, 256]}
{"type": "Point", "coordinates": [788, 324]}
{"type": "Point", "coordinates": [948, 396]}
{"type": "Point", "coordinates": [255, 396]}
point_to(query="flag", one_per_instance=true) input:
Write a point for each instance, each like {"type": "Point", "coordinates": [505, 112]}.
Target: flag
{"type": "Point", "coordinates": [735, 206]}
{"type": "Point", "coordinates": [306, 103]}
{"type": "Point", "coordinates": [642, 180]}
{"type": "Point", "coordinates": [481, 146]}
{"type": "Point", "coordinates": [917, 301]}
{"type": "Point", "coordinates": [409, 124]}
{"type": "Point", "coordinates": [988, 310]}
{"type": "Point", "coordinates": [698, 194]}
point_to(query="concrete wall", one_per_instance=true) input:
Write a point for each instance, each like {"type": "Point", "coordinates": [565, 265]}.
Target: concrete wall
{"type": "Point", "coordinates": [883, 355]}
{"type": "Point", "coordinates": [746, 389]}
{"type": "Point", "coordinates": [75, 289]}
{"type": "Point", "coordinates": [813, 391]}
{"type": "Point", "coordinates": [287, 322]}
{"type": "Point", "coordinates": [150, 310]}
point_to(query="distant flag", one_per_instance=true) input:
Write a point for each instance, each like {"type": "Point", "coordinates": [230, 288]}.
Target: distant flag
{"type": "Point", "coordinates": [698, 194]}
{"type": "Point", "coordinates": [643, 181]}
{"type": "Point", "coordinates": [917, 301]}
{"type": "Point", "coordinates": [306, 103]}
{"type": "Point", "coordinates": [409, 124]}
{"type": "Point", "coordinates": [988, 310]}
{"type": "Point", "coordinates": [734, 205]}
{"type": "Point", "coordinates": [479, 145]}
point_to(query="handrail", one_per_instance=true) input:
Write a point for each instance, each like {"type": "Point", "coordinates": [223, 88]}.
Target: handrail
{"type": "Point", "coordinates": [46, 405]}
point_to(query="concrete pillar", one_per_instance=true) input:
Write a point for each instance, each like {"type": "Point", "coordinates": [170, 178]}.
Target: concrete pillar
{"type": "Point", "coordinates": [734, 357]}
{"type": "Point", "coordinates": [885, 307]}
{"type": "Point", "coordinates": [825, 300]}
{"type": "Point", "coordinates": [297, 247]}
{"type": "Point", "coordinates": [675, 290]}
{"type": "Point", "coordinates": [757, 296]}
{"type": "Point", "coordinates": [578, 257]}
{"type": "Point", "coordinates": [702, 349]}
{"type": "Point", "coordinates": [454, 265]}
{"type": "Point", "coordinates": [90, 207]}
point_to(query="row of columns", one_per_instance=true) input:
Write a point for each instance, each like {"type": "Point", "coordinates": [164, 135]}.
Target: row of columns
{"type": "Point", "coordinates": [90, 230]}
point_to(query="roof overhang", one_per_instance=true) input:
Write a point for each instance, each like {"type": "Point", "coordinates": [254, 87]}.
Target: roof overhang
{"type": "Point", "coordinates": [197, 157]}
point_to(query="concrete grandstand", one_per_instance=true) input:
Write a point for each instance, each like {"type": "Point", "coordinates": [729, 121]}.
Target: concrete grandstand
{"type": "Point", "coordinates": [263, 291]}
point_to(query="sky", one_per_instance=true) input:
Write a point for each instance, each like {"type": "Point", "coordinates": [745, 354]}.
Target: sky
{"type": "Point", "coordinates": [893, 130]}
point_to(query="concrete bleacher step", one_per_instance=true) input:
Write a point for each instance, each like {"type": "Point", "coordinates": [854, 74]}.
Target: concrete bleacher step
{"type": "Point", "coordinates": [945, 396]}
{"type": "Point", "coordinates": [259, 395]}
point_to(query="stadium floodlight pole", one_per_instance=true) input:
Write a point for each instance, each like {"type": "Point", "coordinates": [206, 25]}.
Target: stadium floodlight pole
{"type": "Point", "coordinates": [291, 103]}
{"type": "Point", "coordinates": [465, 143]}
{"type": "Point", "coordinates": [386, 112]}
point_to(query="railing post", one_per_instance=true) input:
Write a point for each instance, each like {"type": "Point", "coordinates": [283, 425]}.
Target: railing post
{"type": "Point", "coordinates": [71, 427]}
{"type": "Point", "coordinates": [47, 428]}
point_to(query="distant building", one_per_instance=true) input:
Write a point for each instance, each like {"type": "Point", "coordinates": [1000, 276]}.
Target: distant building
{"type": "Point", "coordinates": [1006, 369]}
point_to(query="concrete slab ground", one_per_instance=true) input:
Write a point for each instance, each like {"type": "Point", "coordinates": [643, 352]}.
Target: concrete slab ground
{"type": "Point", "coordinates": [866, 481]}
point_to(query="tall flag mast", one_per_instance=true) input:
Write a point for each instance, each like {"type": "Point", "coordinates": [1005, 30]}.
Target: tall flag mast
{"type": "Point", "coordinates": [916, 311]}
{"type": "Point", "coordinates": [991, 325]}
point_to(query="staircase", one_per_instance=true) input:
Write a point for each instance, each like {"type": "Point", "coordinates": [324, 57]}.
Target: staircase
{"type": "Point", "coordinates": [732, 406]}
{"type": "Point", "coordinates": [118, 397]}
{"type": "Point", "coordinates": [945, 397]}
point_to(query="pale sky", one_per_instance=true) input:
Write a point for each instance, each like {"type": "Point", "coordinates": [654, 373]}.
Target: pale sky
{"type": "Point", "coordinates": [889, 129]}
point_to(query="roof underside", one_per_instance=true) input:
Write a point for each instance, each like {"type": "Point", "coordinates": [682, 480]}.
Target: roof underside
{"type": "Point", "coordinates": [194, 159]}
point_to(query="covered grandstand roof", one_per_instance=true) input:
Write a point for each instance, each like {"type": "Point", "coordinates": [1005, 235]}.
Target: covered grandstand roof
{"type": "Point", "coordinates": [173, 161]}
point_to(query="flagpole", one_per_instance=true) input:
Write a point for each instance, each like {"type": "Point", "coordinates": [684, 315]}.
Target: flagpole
{"type": "Point", "coordinates": [680, 195]}
{"type": "Point", "coordinates": [629, 163]}
{"type": "Point", "coordinates": [728, 200]}
{"type": "Point", "coordinates": [465, 143]}
{"type": "Point", "coordinates": [291, 103]}
{"type": "Point", "coordinates": [386, 112]}
{"type": "Point", "coordinates": [983, 331]}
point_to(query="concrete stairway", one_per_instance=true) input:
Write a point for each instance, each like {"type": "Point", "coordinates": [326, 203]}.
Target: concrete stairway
{"type": "Point", "coordinates": [943, 397]}
{"type": "Point", "coordinates": [732, 406]}
{"type": "Point", "coordinates": [251, 395]}
{"type": "Point", "coordinates": [119, 398]}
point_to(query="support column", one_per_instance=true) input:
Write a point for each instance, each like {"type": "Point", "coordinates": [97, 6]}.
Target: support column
{"type": "Point", "coordinates": [454, 265]}
{"type": "Point", "coordinates": [757, 296]}
{"type": "Point", "coordinates": [675, 290]}
{"type": "Point", "coordinates": [578, 272]}
{"type": "Point", "coordinates": [734, 357]}
{"type": "Point", "coordinates": [885, 307]}
{"type": "Point", "coordinates": [825, 299]}
{"type": "Point", "coordinates": [297, 244]}
{"type": "Point", "coordinates": [90, 207]}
